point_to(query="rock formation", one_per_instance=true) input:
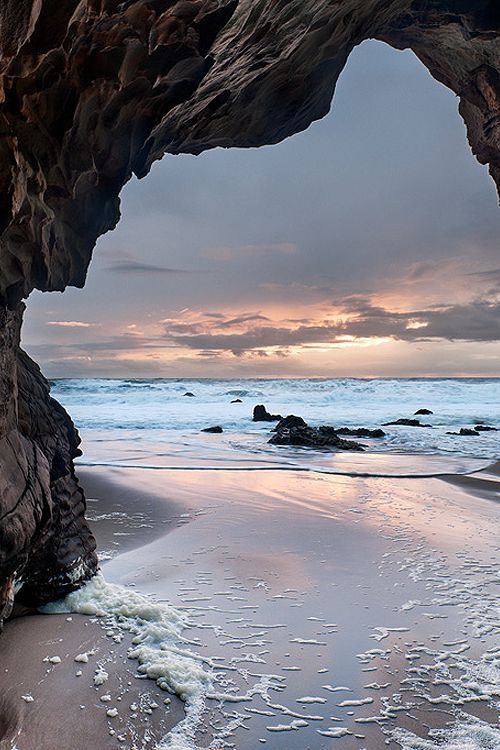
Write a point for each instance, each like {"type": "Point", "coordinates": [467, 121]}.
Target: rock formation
{"type": "Point", "coordinates": [323, 436]}
{"type": "Point", "coordinates": [92, 92]}
{"type": "Point", "coordinates": [260, 414]}
{"type": "Point", "coordinates": [361, 432]}
{"type": "Point", "coordinates": [406, 423]}
{"type": "Point", "coordinates": [46, 547]}
{"type": "Point", "coordinates": [290, 421]}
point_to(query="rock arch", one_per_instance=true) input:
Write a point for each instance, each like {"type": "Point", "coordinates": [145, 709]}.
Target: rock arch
{"type": "Point", "coordinates": [94, 91]}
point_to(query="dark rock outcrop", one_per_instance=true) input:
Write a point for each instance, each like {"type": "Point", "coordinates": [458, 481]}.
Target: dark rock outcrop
{"type": "Point", "coordinates": [189, 394]}
{"type": "Point", "coordinates": [260, 414]}
{"type": "Point", "coordinates": [215, 429]}
{"type": "Point", "coordinates": [360, 432]}
{"type": "Point", "coordinates": [314, 437]}
{"type": "Point", "coordinates": [465, 432]}
{"type": "Point", "coordinates": [236, 401]}
{"type": "Point", "coordinates": [46, 547]}
{"type": "Point", "coordinates": [406, 423]}
{"type": "Point", "coordinates": [485, 428]}
{"type": "Point", "coordinates": [93, 92]}
{"type": "Point", "coordinates": [423, 412]}
{"type": "Point", "coordinates": [290, 421]}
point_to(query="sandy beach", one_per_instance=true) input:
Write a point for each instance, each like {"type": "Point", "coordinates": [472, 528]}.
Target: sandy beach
{"type": "Point", "coordinates": [340, 608]}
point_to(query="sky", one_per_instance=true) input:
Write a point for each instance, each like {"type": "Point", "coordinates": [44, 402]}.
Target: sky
{"type": "Point", "coordinates": [368, 245]}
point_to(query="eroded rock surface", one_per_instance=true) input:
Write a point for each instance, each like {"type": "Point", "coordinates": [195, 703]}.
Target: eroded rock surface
{"type": "Point", "coordinates": [361, 432]}
{"type": "Point", "coordinates": [92, 92]}
{"type": "Point", "coordinates": [46, 547]}
{"type": "Point", "coordinates": [406, 423]}
{"type": "Point", "coordinates": [260, 414]}
{"type": "Point", "coordinates": [290, 421]}
{"type": "Point", "coordinates": [323, 436]}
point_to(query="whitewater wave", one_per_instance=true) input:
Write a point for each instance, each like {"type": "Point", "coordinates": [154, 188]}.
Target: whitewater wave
{"type": "Point", "coordinates": [157, 410]}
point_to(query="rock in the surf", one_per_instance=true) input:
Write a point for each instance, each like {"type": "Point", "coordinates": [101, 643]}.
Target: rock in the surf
{"type": "Point", "coordinates": [324, 436]}
{"type": "Point", "coordinates": [290, 421]}
{"type": "Point", "coordinates": [215, 429]}
{"type": "Point", "coordinates": [464, 432]}
{"type": "Point", "coordinates": [360, 432]}
{"type": "Point", "coordinates": [260, 414]}
{"type": "Point", "coordinates": [423, 412]}
{"type": "Point", "coordinates": [406, 423]}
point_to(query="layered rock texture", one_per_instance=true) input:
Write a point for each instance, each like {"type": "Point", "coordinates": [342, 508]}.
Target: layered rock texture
{"type": "Point", "coordinates": [46, 547]}
{"type": "Point", "coordinates": [92, 92]}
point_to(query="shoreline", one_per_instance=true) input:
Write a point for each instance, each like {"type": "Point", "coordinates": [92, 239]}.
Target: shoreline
{"type": "Point", "coordinates": [387, 464]}
{"type": "Point", "coordinates": [189, 543]}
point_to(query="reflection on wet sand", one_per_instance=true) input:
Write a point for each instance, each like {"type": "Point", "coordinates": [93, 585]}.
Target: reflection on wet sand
{"type": "Point", "coordinates": [333, 610]}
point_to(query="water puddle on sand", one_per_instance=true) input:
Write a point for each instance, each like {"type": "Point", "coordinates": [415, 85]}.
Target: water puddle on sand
{"type": "Point", "coordinates": [285, 620]}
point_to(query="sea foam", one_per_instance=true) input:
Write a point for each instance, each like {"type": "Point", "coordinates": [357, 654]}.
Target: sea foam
{"type": "Point", "coordinates": [158, 644]}
{"type": "Point", "coordinates": [469, 735]}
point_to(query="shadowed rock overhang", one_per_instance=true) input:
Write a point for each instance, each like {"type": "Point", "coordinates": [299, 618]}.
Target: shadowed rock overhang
{"type": "Point", "coordinates": [94, 91]}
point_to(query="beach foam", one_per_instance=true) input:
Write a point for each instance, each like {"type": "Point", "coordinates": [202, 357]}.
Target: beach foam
{"type": "Point", "coordinates": [470, 735]}
{"type": "Point", "coordinates": [158, 645]}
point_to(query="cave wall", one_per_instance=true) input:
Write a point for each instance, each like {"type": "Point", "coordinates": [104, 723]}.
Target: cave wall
{"type": "Point", "coordinates": [46, 547]}
{"type": "Point", "coordinates": [94, 91]}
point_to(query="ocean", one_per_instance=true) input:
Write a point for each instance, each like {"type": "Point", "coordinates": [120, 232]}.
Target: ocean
{"type": "Point", "coordinates": [289, 596]}
{"type": "Point", "coordinates": [153, 424]}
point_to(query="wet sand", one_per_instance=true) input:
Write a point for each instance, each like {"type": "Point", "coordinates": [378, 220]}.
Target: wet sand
{"type": "Point", "coordinates": [382, 587]}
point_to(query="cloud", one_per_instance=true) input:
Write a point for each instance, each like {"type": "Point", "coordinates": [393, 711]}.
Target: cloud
{"type": "Point", "coordinates": [354, 320]}
{"type": "Point", "coordinates": [241, 319]}
{"type": "Point", "coordinates": [357, 319]}
{"type": "Point", "coordinates": [133, 266]}
{"type": "Point", "coordinates": [493, 274]}
{"type": "Point", "coordinates": [71, 324]}
{"type": "Point", "coordinates": [237, 253]}
{"type": "Point", "coordinates": [489, 279]}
